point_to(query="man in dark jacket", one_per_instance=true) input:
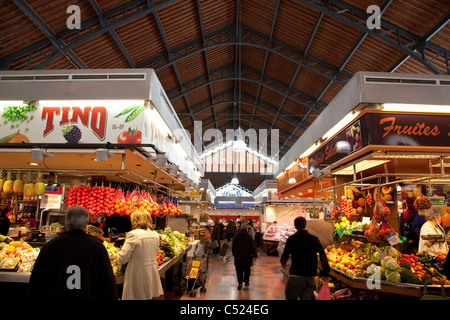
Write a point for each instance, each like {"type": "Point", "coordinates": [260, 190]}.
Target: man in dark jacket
{"type": "Point", "coordinates": [244, 252]}
{"type": "Point", "coordinates": [230, 229]}
{"type": "Point", "coordinates": [73, 266]}
{"type": "Point", "coordinates": [303, 247]}
{"type": "Point", "coordinates": [216, 234]}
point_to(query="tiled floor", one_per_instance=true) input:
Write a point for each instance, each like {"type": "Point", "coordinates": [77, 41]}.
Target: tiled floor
{"type": "Point", "coordinates": [266, 280]}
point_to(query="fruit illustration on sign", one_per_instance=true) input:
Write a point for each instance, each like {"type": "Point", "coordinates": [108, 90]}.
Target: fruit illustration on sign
{"type": "Point", "coordinates": [15, 137]}
{"type": "Point", "coordinates": [353, 135]}
{"type": "Point", "coordinates": [133, 112]}
{"type": "Point", "coordinates": [72, 134]}
{"type": "Point", "coordinates": [130, 136]}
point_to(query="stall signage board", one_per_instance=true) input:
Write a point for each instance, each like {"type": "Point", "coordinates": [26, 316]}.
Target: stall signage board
{"type": "Point", "coordinates": [352, 138]}
{"type": "Point", "coordinates": [52, 198]}
{"type": "Point", "coordinates": [408, 129]}
{"type": "Point", "coordinates": [75, 122]}
{"type": "Point", "coordinates": [383, 129]}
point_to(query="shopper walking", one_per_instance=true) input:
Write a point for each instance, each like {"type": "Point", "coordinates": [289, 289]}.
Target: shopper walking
{"type": "Point", "coordinates": [244, 252]}
{"type": "Point", "coordinates": [141, 280]}
{"type": "Point", "coordinates": [251, 230]}
{"type": "Point", "coordinates": [73, 266]}
{"type": "Point", "coordinates": [303, 247]}
{"type": "Point", "coordinates": [231, 227]}
{"type": "Point", "coordinates": [215, 236]}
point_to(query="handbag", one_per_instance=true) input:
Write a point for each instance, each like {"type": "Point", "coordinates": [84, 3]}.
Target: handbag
{"type": "Point", "coordinates": [324, 293]}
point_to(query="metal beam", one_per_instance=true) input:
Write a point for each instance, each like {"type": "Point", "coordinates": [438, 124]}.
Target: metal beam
{"type": "Point", "coordinates": [227, 117]}
{"type": "Point", "coordinates": [103, 23]}
{"type": "Point", "coordinates": [224, 73]}
{"type": "Point", "coordinates": [421, 45]}
{"type": "Point", "coordinates": [119, 16]}
{"type": "Point", "coordinates": [253, 38]}
{"type": "Point", "coordinates": [226, 97]}
{"type": "Point", "coordinates": [263, 69]}
{"type": "Point", "coordinates": [311, 38]}
{"type": "Point", "coordinates": [49, 33]}
{"type": "Point", "coordinates": [392, 34]}
{"type": "Point", "coordinates": [250, 103]}
{"type": "Point", "coordinates": [202, 29]}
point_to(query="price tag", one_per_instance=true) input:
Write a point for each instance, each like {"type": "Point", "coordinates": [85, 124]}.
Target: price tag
{"type": "Point", "coordinates": [393, 239]}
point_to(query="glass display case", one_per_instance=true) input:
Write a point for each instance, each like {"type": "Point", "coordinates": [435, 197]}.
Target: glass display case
{"type": "Point", "coordinates": [274, 235]}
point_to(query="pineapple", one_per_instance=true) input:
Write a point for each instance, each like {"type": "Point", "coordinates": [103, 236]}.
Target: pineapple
{"type": "Point", "coordinates": [28, 188]}
{"type": "Point", "coordinates": [18, 183]}
{"type": "Point", "coordinates": [2, 179]}
{"type": "Point", "coordinates": [39, 186]}
{"type": "Point", "coordinates": [8, 184]}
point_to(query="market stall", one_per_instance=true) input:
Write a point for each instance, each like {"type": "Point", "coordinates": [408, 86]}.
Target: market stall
{"type": "Point", "coordinates": [107, 140]}
{"type": "Point", "coordinates": [381, 165]}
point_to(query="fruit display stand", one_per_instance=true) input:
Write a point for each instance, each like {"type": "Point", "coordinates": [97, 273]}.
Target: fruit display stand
{"type": "Point", "coordinates": [373, 138]}
{"type": "Point", "coordinates": [385, 271]}
{"type": "Point", "coordinates": [15, 278]}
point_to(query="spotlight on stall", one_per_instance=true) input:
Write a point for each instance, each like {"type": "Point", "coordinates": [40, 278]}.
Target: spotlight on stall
{"type": "Point", "coordinates": [103, 154]}
{"type": "Point", "coordinates": [40, 154]}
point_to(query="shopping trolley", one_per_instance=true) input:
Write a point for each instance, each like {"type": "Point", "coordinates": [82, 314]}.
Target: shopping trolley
{"type": "Point", "coordinates": [196, 275]}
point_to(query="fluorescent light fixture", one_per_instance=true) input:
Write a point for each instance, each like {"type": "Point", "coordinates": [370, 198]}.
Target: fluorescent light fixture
{"type": "Point", "coordinates": [289, 167]}
{"type": "Point", "coordinates": [280, 174]}
{"type": "Point", "coordinates": [330, 133]}
{"type": "Point", "coordinates": [425, 108]}
{"type": "Point", "coordinates": [341, 124]}
{"type": "Point", "coordinates": [360, 166]}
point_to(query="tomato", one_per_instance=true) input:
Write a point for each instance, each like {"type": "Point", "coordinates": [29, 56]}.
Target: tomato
{"type": "Point", "coordinates": [131, 136]}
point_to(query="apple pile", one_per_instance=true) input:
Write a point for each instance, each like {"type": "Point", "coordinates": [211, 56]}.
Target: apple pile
{"type": "Point", "coordinates": [96, 200]}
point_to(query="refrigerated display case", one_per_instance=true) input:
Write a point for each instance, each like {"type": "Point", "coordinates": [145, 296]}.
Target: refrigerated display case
{"type": "Point", "coordinates": [274, 235]}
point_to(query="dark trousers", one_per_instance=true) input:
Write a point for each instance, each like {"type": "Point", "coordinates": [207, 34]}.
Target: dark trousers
{"type": "Point", "coordinates": [299, 287]}
{"type": "Point", "coordinates": [243, 273]}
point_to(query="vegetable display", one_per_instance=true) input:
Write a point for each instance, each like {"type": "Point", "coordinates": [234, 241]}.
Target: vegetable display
{"type": "Point", "coordinates": [17, 256]}
{"type": "Point", "coordinates": [363, 260]}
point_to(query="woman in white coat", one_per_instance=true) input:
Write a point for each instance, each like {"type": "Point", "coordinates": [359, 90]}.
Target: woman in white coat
{"type": "Point", "coordinates": [432, 226]}
{"type": "Point", "coordinates": [142, 280]}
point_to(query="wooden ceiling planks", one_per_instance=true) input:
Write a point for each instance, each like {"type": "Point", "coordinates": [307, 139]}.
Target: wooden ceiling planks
{"type": "Point", "coordinates": [275, 37]}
